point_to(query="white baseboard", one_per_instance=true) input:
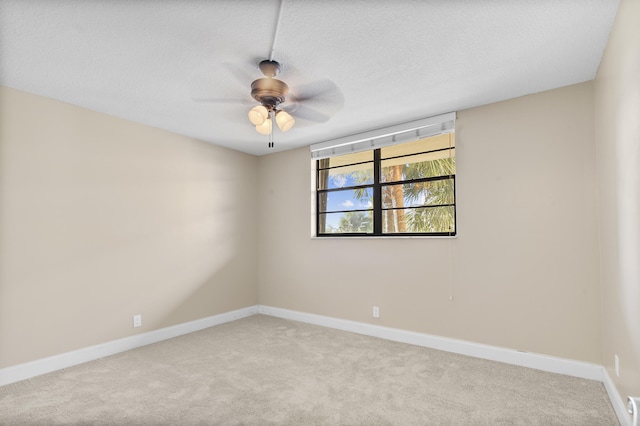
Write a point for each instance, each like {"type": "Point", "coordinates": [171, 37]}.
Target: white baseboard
{"type": "Point", "coordinates": [525, 359]}
{"type": "Point", "coordinates": [619, 404]}
{"type": "Point", "coordinates": [68, 359]}
{"type": "Point", "coordinates": [510, 356]}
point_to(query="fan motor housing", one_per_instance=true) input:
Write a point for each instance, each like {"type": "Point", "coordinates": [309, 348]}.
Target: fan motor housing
{"type": "Point", "coordinates": [269, 91]}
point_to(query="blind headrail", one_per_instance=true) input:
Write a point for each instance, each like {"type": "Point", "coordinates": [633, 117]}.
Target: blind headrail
{"type": "Point", "coordinates": [387, 136]}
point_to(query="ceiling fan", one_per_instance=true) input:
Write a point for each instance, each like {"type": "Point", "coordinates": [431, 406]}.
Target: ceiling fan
{"type": "Point", "coordinates": [315, 102]}
{"type": "Point", "coordinates": [270, 93]}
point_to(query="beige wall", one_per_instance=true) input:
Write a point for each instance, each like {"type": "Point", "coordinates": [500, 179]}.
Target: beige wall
{"type": "Point", "coordinates": [102, 218]}
{"type": "Point", "coordinates": [617, 95]}
{"type": "Point", "coordinates": [523, 271]}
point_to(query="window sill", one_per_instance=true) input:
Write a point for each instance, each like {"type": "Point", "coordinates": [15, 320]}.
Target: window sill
{"type": "Point", "coordinates": [379, 237]}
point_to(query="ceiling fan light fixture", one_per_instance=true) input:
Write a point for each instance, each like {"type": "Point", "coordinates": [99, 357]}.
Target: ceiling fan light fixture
{"type": "Point", "coordinates": [258, 115]}
{"type": "Point", "coordinates": [284, 120]}
{"type": "Point", "coordinates": [265, 127]}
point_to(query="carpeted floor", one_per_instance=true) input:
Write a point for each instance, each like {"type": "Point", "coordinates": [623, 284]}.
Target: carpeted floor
{"type": "Point", "coordinates": [269, 371]}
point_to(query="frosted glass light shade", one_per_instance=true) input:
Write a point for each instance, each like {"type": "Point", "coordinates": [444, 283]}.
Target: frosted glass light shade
{"type": "Point", "coordinates": [265, 127]}
{"type": "Point", "coordinates": [258, 114]}
{"type": "Point", "coordinates": [285, 120]}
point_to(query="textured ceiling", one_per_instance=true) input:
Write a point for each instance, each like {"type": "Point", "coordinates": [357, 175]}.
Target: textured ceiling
{"type": "Point", "coordinates": [186, 66]}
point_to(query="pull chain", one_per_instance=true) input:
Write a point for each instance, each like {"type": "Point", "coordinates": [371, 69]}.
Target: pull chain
{"type": "Point", "coordinates": [271, 117]}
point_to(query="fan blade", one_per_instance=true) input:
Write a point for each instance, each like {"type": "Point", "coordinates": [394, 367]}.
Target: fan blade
{"type": "Point", "coordinates": [246, 72]}
{"type": "Point", "coordinates": [225, 101]}
{"type": "Point", "coordinates": [306, 113]}
{"type": "Point", "coordinates": [316, 102]}
{"type": "Point", "coordinates": [214, 79]}
{"type": "Point", "coordinates": [242, 74]}
{"type": "Point", "coordinates": [319, 91]}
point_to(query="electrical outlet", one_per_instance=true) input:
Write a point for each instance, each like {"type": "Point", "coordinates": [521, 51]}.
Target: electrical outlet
{"type": "Point", "coordinates": [137, 320]}
{"type": "Point", "coordinates": [376, 312]}
{"type": "Point", "coordinates": [616, 363]}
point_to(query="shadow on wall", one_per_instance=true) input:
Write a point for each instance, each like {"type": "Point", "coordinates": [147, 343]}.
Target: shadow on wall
{"type": "Point", "coordinates": [214, 273]}
{"type": "Point", "coordinates": [228, 289]}
{"type": "Point", "coordinates": [102, 219]}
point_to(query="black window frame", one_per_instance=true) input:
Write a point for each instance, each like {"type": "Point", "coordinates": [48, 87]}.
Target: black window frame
{"type": "Point", "coordinates": [378, 208]}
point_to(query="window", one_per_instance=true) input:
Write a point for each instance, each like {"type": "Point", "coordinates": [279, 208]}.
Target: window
{"type": "Point", "coordinates": [393, 190]}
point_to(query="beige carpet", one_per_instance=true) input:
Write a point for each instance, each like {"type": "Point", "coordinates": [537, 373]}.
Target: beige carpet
{"type": "Point", "coordinates": [268, 371]}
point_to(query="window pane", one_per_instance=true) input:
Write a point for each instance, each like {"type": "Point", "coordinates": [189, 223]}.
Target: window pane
{"type": "Point", "coordinates": [340, 177]}
{"type": "Point", "coordinates": [436, 192]}
{"type": "Point", "coordinates": [349, 199]}
{"type": "Point", "coordinates": [419, 220]}
{"type": "Point", "coordinates": [423, 145]}
{"type": "Point", "coordinates": [347, 222]}
{"type": "Point", "coordinates": [416, 181]}
{"type": "Point", "coordinates": [343, 160]}
{"type": "Point", "coordinates": [433, 164]}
